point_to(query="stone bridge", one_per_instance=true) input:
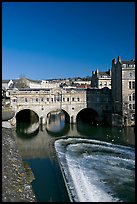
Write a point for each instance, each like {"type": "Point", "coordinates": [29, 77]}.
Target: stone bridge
{"type": "Point", "coordinates": [45, 101]}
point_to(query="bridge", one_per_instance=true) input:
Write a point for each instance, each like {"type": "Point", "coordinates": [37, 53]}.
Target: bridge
{"type": "Point", "coordinates": [72, 102]}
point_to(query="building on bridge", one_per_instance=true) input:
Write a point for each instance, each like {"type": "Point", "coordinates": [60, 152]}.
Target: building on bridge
{"type": "Point", "coordinates": [112, 102]}
{"type": "Point", "coordinates": [71, 101]}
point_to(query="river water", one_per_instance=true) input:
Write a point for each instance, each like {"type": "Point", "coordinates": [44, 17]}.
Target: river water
{"type": "Point", "coordinates": [36, 146]}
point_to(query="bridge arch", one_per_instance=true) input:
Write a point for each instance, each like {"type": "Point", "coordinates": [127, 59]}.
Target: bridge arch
{"type": "Point", "coordinates": [27, 115]}
{"type": "Point", "coordinates": [88, 115]}
{"type": "Point", "coordinates": [66, 114]}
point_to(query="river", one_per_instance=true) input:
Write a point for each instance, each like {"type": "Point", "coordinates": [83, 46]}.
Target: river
{"type": "Point", "coordinates": [36, 146]}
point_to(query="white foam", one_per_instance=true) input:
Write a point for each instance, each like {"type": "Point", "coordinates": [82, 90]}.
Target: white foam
{"type": "Point", "coordinates": [84, 160]}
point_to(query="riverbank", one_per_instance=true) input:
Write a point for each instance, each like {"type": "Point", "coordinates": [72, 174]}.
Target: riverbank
{"type": "Point", "coordinates": [16, 181]}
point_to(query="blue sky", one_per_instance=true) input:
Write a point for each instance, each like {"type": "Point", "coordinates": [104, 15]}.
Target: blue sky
{"type": "Point", "coordinates": [46, 40]}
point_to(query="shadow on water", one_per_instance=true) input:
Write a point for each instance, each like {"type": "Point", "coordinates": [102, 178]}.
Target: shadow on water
{"type": "Point", "coordinates": [116, 135]}
{"type": "Point", "coordinates": [26, 130]}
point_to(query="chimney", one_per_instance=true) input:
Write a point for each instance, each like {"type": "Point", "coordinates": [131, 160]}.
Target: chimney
{"type": "Point", "coordinates": [110, 72]}
{"type": "Point", "coordinates": [96, 71]}
{"type": "Point", "coordinates": [114, 61]}
{"type": "Point", "coordinates": [119, 59]}
{"type": "Point", "coordinates": [93, 72]}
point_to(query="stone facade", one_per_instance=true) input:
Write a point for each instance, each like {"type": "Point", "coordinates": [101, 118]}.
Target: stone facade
{"type": "Point", "coordinates": [44, 101]}
{"type": "Point", "coordinates": [101, 101]}
{"type": "Point", "coordinates": [112, 96]}
{"type": "Point", "coordinates": [101, 79]}
{"type": "Point", "coordinates": [123, 90]}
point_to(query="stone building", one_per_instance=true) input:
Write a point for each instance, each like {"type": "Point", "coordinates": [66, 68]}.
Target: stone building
{"type": "Point", "coordinates": [101, 79]}
{"type": "Point", "coordinates": [101, 101]}
{"type": "Point", "coordinates": [6, 84]}
{"type": "Point", "coordinates": [123, 91]}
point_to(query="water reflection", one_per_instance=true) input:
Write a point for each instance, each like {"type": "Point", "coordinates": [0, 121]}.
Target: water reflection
{"type": "Point", "coordinates": [60, 132]}
{"type": "Point", "coordinates": [56, 127]}
{"type": "Point", "coordinates": [116, 135]}
{"type": "Point", "coordinates": [55, 122]}
{"type": "Point", "coordinates": [27, 130]}
{"type": "Point", "coordinates": [36, 145]}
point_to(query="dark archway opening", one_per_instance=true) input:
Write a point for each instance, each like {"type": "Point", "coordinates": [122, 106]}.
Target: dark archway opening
{"type": "Point", "coordinates": [86, 119]}
{"type": "Point", "coordinates": [27, 116]}
{"type": "Point", "coordinates": [27, 124]}
{"type": "Point", "coordinates": [88, 115]}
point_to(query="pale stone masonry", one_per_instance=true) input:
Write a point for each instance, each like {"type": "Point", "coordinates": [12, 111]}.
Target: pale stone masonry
{"type": "Point", "coordinates": [101, 79]}
{"type": "Point", "coordinates": [123, 89]}
{"type": "Point", "coordinates": [111, 95]}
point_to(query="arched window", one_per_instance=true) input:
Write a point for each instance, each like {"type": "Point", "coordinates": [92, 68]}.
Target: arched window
{"type": "Point", "coordinates": [130, 106]}
{"type": "Point", "coordinates": [129, 97]}
{"type": "Point", "coordinates": [133, 96]}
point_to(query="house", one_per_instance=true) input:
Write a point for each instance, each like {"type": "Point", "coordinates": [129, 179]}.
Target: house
{"type": "Point", "coordinates": [101, 79]}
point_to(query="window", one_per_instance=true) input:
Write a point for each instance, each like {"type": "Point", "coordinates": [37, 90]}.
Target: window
{"type": "Point", "coordinates": [133, 105]}
{"type": "Point", "coordinates": [133, 96]}
{"type": "Point", "coordinates": [41, 99]}
{"type": "Point", "coordinates": [63, 99]}
{"type": "Point", "coordinates": [51, 99]}
{"type": "Point", "coordinates": [72, 99]}
{"type": "Point", "coordinates": [133, 117]}
{"type": "Point", "coordinates": [37, 99]}
{"type": "Point", "coordinates": [78, 99]}
{"type": "Point", "coordinates": [67, 99]}
{"type": "Point", "coordinates": [133, 85]}
{"type": "Point", "coordinates": [130, 106]}
{"type": "Point", "coordinates": [129, 84]}
{"type": "Point", "coordinates": [26, 100]}
{"type": "Point", "coordinates": [130, 74]}
{"type": "Point", "coordinates": [47, 99]}
{"type": "Point", "coordinates": [129, 98]}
